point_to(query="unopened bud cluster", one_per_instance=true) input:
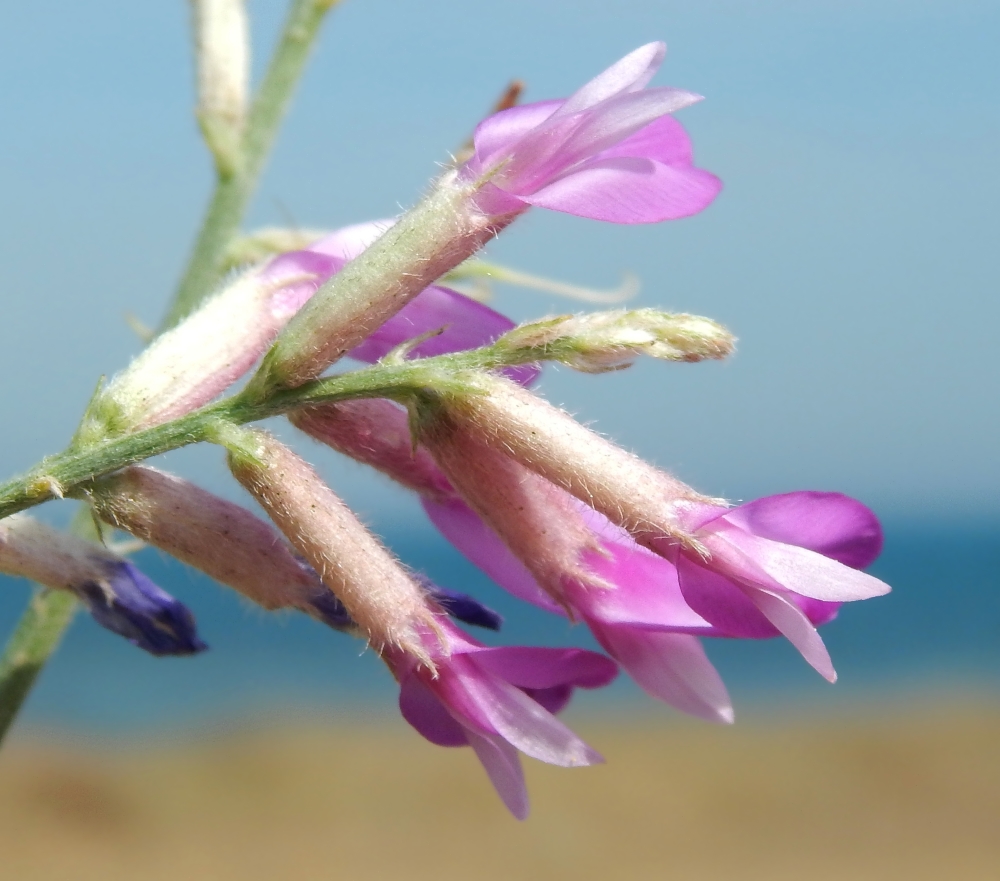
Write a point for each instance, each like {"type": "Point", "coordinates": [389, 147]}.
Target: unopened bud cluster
{"type": "Point", "coordinates": [612, 340]}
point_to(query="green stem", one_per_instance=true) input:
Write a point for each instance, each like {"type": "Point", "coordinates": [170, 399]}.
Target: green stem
{"type": "Point", "coordinates": [234, 191]}
{"type": "Point", "coordinates": [38, 633]}
{"type": "Point", "coordinates": [67, 473]}
{"type": "Point", "coordinates": [36, 637]}
{"type": "Point", "coordinates": [49, 613]}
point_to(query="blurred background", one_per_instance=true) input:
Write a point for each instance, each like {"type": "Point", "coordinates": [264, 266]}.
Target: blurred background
{"type": "Point", "coordinates": [853, 251]}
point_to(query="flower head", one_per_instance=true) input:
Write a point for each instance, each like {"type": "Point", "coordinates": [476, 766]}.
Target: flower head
{"type": "Point", "coordinates": [780, 564]}
{"type": "Point", "coordinates": [610, 151]}
{"type": "Point", "coordinates": [499, 701]}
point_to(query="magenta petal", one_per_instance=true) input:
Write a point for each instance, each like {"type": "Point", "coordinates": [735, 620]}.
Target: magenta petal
{"type": "Point", "coordinates": [663, 140]}
{"type": "Point", "coordinates": [722, 602]}
{"type": "Point", "coordinates": [629, 190]}
{"type": "Point", "coordinates": [299, 273]}
{"type": "Point", "coordinates": [422, 709]}
{"type": "Point", "coordinates": [647, 591]}
{"type": "Point", "coordinates": [672, 667]}
{"type": "Point", "coordinates": [349, 241]}
{"type": "Point", "coordinates": [503, 766]}
{"type": "Point", "coordinates": [531, 667]}
{"type": "Point", "coordinates": [617, 120]}
{"type": "Point", "coordinates": [484, 548]}
{"type": "Point", "coordinates": [831, 524]}
{"type": "Point", "coordinates": [467, 324]}
{"type": "Point", "coordinates": [797, 629]}
{"type": "Point", "coordinates": [554, 699]}
{"type": "Point", "coordinates": [524, 723]}
{"type": "Point", "coordinates": [496, 134]}
{"type": "Point", "coordinates": [761, 561]}
{"type": "Point", "coordinates": [628, 74]}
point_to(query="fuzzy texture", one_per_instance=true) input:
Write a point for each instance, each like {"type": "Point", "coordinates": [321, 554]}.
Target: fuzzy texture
{"type": "Point", "coordinates": [375, 431]}
{"type": "Point", "coordinates": [192, 363]}
{"type": "Point", "coordinates": [222, 539]}
{"type": "Point", "coordinates": [609, 152]}
{"type": "Point", "coordinates": [238, 549]}
{"type": "Point", "coordinates": [627, 490]}
{"type": "Point", "coordinates": [118, 596]}
{"type": "Point", "coordinates": [499, 701]}
{"type": "Point", "coordinates": [777, 565]}
{"type": "Point", "coordinates": [603, 341]}
{"type": "Point", "coordinates": [389, 607]}
{"type": "Point", "coordinates": [424, 244]}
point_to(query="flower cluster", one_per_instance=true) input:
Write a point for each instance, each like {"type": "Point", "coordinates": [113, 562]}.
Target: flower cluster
{"type": "Point", "coordinates": [554, 513]}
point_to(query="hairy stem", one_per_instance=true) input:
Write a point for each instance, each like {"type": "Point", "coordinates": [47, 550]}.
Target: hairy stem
{"type": "Point", "coordinates": [67, 473]}
{"type": "Point", "coordinates": [234, 190]}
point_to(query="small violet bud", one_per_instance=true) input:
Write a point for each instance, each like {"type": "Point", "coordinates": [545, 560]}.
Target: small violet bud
{"type": "Point", "coordinates": [117, 595]}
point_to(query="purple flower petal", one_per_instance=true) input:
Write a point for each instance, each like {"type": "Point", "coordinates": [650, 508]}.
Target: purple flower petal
{"type": "Point", "coordinates": [526, 724]}
{"type": "Point", "coordinates": [349, 241]}
{"type": "Point", "coordinates": [628, 74]}
{"type": "Point", "coordinates": [466, 323]}
{"type": "Point", "coordinates": [646, 591]}
{"type": "Point", "coordinates": [671, 667]}
{"type": "Point", "coordinates": [554, 699]}
{"type": "Point", "coordinates": [484, 548]}
{"type": "Point", "coordinates": [617, 120]}
{"type": "Point", "coordinates": [300, 274]}
{"type": "Point", "coordinates": [722, 602]}
{"type": "Point", "coordinates": [503, 766]}
{"type": "Point", "coordinates": [539, 668]}
{"type": "Point", "coordinates": [797, 629]}
{"type": "Point", "coordinates": [131, 605]}
{"type": "Point", "coordinates": [629, 190]}
{"type": "Point", "coordinates": [761, 561]}
{"type": "Point", "coordinates": [664, 140]}
{"type": "Point", "coordinates": [831, 524]}
{"type": "Point", "coordinates": [421, 708]}
{"type": "Point", "coordinates": [498, 133]}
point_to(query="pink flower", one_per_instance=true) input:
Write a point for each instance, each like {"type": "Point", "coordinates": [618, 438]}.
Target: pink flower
{"type": "Point", "coordinates": [782, 563]}
{"type": "Point", "coordinates": [776, 565]}
{"type": "Point", "coordinates": [498, 701]}
{"type": "Point", "coordinates": [610, 151]}
{"type": "Point", "coordinates": [628, 597]}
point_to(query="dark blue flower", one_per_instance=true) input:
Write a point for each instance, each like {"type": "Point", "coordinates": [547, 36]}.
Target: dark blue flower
{"type": "Point", "coordinates": [126, 602]}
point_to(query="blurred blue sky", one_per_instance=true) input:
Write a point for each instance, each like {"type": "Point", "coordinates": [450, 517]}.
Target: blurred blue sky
{"type": "Point", "coordinates": [853, 250]}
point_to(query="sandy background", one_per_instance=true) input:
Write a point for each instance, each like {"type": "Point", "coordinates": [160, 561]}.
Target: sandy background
{"type": "Point", "coordinates": [908, 792]}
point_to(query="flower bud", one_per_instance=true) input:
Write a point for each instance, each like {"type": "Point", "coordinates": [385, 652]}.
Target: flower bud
{"type": "Point", "coordinates": [222, 60]}
{"type": "Point", "coordinates": [387, 604]}
{"type": "Point", "coordinates": [376, 432]}
{"type": "Point", "coordinates": [627, 490]}
{"type": "Point", "coordinates": [604, 341]}
{"type": "Point", "coordinates": [117, 595]}
{"type": "Point", "coordinates": [221, 538]}
{"type": "Point", "coordinates": [198, 359]}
